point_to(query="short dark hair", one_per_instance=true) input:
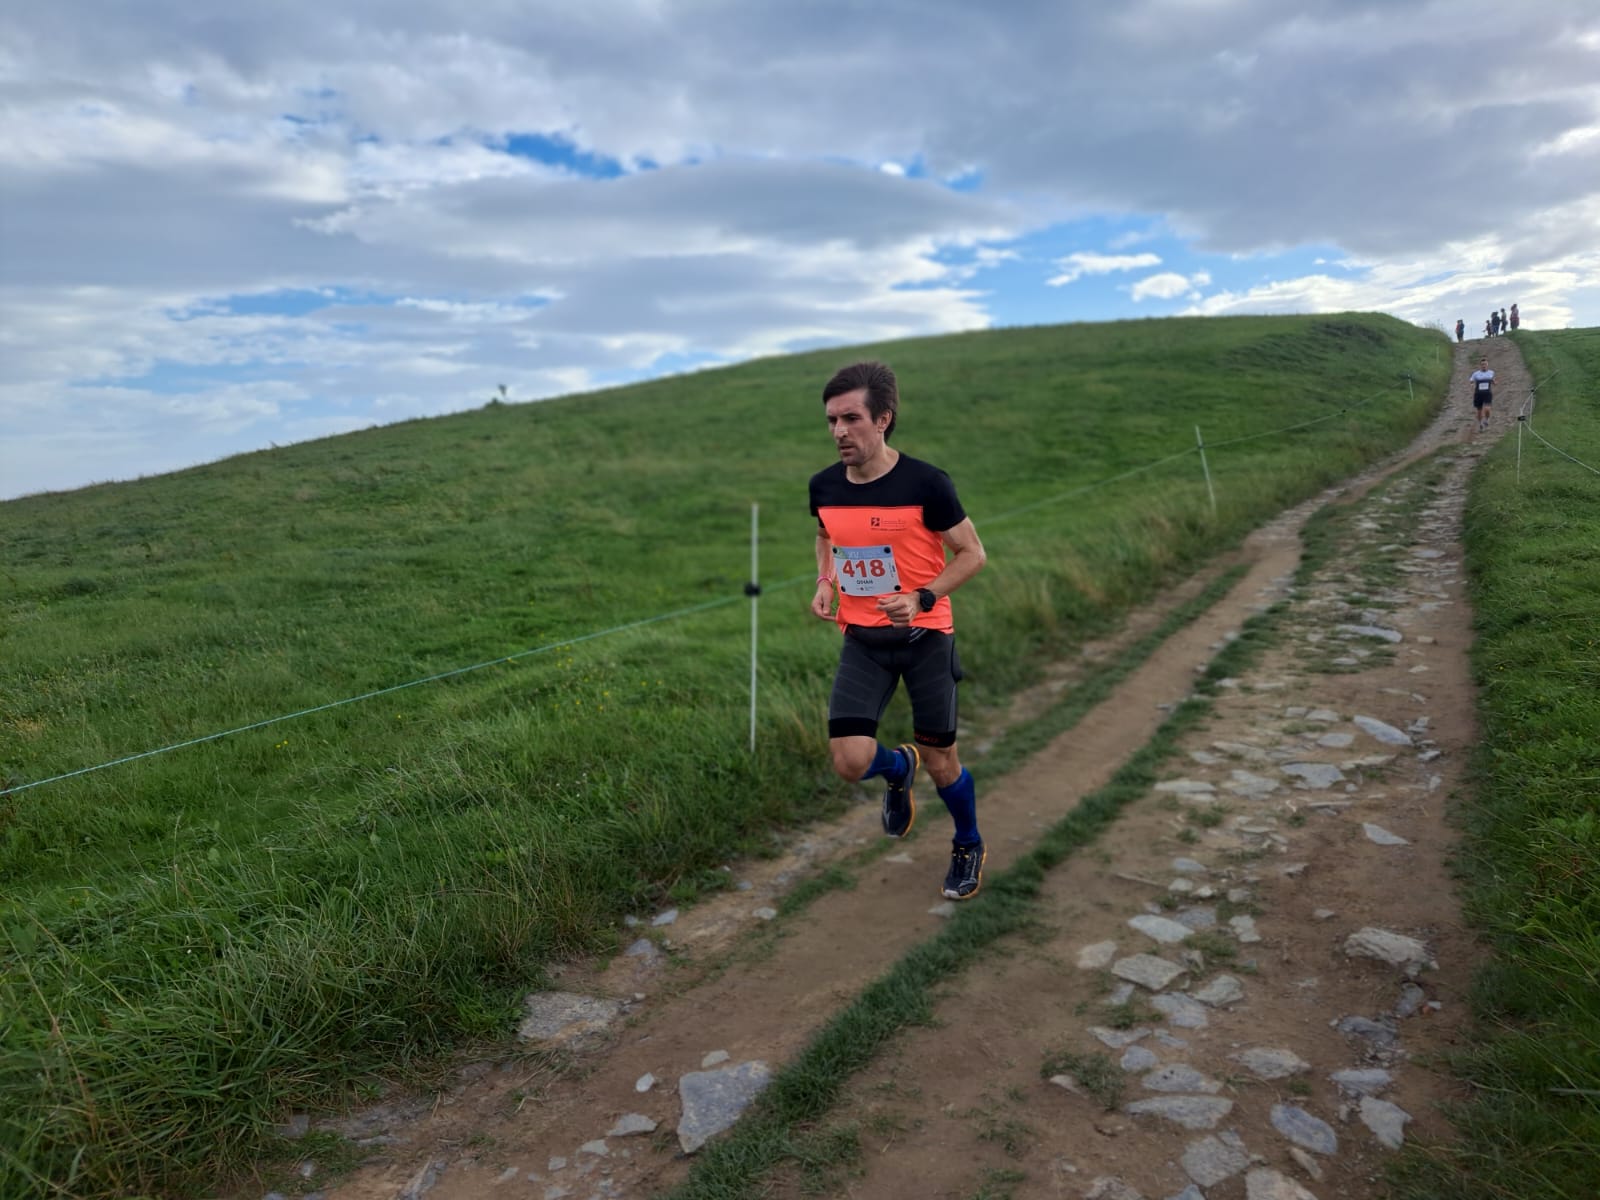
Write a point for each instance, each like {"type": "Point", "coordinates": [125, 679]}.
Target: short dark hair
{"type": "Point", "coordinates": [883, 392]}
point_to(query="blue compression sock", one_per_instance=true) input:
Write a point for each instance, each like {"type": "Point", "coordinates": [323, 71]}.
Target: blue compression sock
{"type": "Point", "coordinates": [961, 798]}
{"type": "Point", "coordinates": [891, 764]}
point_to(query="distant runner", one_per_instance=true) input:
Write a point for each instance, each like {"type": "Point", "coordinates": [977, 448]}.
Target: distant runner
{"type": "Point", "coordinates": [884, 522]}
{"type": "Point", "coordinates": [1483, 392]}
{"type": "Point", "coordinates": [1461, 329]}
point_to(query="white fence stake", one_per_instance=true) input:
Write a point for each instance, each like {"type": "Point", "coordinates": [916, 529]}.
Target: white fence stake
{"type": "Point", "coordinates": [1519, 450]}
{"type": "Point", "coordinates": [1410, 394]}
{"type": "Point", "coordinates": [1210, 491]}
{"type": "Point", "coordinates": [754, 591]}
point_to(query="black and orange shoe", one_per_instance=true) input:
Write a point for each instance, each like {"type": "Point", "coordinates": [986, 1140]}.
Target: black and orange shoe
{"type": "Point", "coordinates": [965, 876]}
{"type": "Point", "coordinates": [899, 804]}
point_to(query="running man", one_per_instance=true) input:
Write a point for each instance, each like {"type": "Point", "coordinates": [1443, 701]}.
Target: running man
{"type": "Point", "coordinates": [884, 522]}
{"type": "Point", "coordinates": [1483, 392]}
{"type": "Point", "coordinates": [1461, 329]}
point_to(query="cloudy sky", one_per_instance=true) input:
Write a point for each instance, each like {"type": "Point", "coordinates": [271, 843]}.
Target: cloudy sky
{"type": "Point", "coordinates": [224, 226]}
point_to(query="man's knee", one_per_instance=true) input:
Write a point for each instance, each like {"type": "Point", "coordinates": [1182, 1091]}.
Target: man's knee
{"type": "Point", "coordinates": [944, 766]}
{"type": "Point", "coordinates": [852, 756]}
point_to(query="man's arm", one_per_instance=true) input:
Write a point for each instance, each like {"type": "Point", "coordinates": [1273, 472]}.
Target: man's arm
{"type": "Point", "coordinates": [966, 560]}
{"type": "Point", "coordinates": [822, 600]}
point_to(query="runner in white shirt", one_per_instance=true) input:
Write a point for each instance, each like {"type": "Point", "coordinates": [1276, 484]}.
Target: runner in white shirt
{"type": "Point", "coordinates": [1482, 381]}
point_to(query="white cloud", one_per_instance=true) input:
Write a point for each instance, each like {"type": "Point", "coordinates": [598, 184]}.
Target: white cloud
{"type": "Point", "coordinates": [1087, 262]}
{"type": "Point", "coordinates": [1164, 286]}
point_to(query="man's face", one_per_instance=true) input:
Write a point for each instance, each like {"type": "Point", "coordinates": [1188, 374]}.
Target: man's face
{"type": "Point", "coordinates": [1483, 364]}
{"type": "Point", "coordinates": [855, 434]}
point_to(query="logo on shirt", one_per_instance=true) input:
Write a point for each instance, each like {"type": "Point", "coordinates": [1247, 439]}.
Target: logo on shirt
{"type": "Point", "coordinates": [889, 523]}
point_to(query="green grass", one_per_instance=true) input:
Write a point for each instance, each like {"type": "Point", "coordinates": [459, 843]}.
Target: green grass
{"type": "Point", "coordinates": [1530, 856]}
{"type": "Point", "coordinates": [192, 943]}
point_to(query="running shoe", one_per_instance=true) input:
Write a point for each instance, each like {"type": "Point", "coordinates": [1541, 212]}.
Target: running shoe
{"type": "Point", "coordinates": [966, 872]}
{"type": "Point", "coordinates": [899, 804]}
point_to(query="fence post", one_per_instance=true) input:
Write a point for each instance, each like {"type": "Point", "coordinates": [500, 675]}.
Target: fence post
{"type": "Point", "coordinates": [1210, 491]}
{"type": "Point", "coordinates": [1411, 395]}
{"type": "Point", "coordinates": [1519, 449]}
{"type": "Point", "coordinates": [753, 590]}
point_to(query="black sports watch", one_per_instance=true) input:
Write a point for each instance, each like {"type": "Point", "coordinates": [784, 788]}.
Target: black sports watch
{"type": "Point", "coordinates": [926, 599]}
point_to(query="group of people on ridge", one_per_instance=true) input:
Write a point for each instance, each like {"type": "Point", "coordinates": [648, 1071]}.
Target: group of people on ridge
{"type": "Point", "coordinates": [1498, 323]}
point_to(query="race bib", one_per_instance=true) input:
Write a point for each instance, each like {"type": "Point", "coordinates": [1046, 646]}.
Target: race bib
{"type": "Point", "coordinates": [1483, 385]}
{"type": "Point", "coordinates": [866, 570]}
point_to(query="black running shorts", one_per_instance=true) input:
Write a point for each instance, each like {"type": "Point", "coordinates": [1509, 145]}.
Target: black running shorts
{"type": "Point", "coordinates": [1479, 399]}
{"type": "Point", "coordinates": [872, 661]}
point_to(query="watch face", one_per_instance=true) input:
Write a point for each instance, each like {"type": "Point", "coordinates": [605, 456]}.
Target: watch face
{"type": "Point", "coordinates": [926, 599]}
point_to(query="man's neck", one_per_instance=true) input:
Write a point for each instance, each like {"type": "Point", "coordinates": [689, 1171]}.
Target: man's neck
{"type": "Point", "coordinates": [876, 467]}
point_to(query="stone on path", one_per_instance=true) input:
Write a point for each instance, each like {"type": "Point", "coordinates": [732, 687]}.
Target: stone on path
{"type": "Point", "coordinates": [1381, 1036]}
{"type": "Point", "coordinates": [1118, 1039]}
{"type": "Point", "coordinates": [1301, 1128]}
{"type": "Point", "coordinates": [1263, 1184]}
{"type": "Point", "coordinates": [1366, 1081]}
{"type": "Point", "coordinates": [561, 1017]}
{"type": "Point", "coordinates": [764, 913]}
{"type": "Point", "coordinates": [1147, 970]}
{"type": "Point", "coordinates": [1387, 1121]}
{"type": "Point", "coordinates": [1266, 1062]}
{"type": "Point", "coordinates": [1242, 750]}
{"type": "Point", "coordinates": [1212, 1159]}
{"type": "Point", "coordinates": [1197, 918]}
{"type": "Point", "coordinates": [1373, 631]}
{"type": "Point", "coordinates": [1384, 732]}
{"type": "Point", "coordinates": [666, 918]}
{"type": "Point", "coordinates": [1185, 787]}
{"type": "Point", "coordinates": [630, 1124]}
{"type": "Point", "coordinates": [1161, 929]}
{"type": "Point", "coordinates": [1221, 992]}
{"type": "Point", "coordinates": [644, 1083]}
{"type": "Point", "coordinates": [713, 1100]}
{"type": "Point", "coordinates": [1096, 957]}
{"type": "Point", "coordinates": [598, 1148]}
{"type": "Point", "coordinates": [1189, 866]}
{"type": "Point", "coordinates": [1314, 775]}
{"type": "Point", "coordinates": [1180, 1010]}
{"type": "Point", "coordinates": [1381, 836]}
{"type": "Point", "coordinates": [1137, 1058]}
{"type": "Point", "coordinates": [1336, 741]}
{"type": "Point", "coordinates": [1110, 1187]}
{"type": "Point", "coordinates": [1189, 1193]}
{"type": "Point", "coordinates": [1244, 928]}
{"type": "Point", "coordinates": [1322, 716]}
{"type": "Point", "coordinates": [1250, 785]}
{"type": "Point", "coordinates": [1412, 998]}
{"type": "Point", "coordinates": [1396, 949]}
{"type": "Point", "coordinates": [1180, 1078]}
{"type": "Point", "coordinates": [714, 1058]}
{"type": "Point", "coordinates": [1191, 1112]}
{"type": "Point", "coordinates": [945, 908]}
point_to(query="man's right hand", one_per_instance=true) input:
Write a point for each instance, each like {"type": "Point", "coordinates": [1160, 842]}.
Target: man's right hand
{"type": "Point", "coordinates": [822, 602]}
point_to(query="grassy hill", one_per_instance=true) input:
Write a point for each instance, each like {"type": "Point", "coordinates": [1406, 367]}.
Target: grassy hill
{"type": "Point", "coordinates": [193, 941]}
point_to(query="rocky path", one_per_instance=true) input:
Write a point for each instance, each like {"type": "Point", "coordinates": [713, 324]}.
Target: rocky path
{"type": "Point", "coordinates": [1236, 989]}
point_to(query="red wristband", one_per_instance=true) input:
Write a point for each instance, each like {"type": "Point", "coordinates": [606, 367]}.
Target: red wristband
{"type": "Point", "coordinates": [827, 579]}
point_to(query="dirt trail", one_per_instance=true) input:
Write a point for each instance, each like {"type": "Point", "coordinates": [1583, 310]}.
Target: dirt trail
{"type": "Point", "coordinates": [758, 991]}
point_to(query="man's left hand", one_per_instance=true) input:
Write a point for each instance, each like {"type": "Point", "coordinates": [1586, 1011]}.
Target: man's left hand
{"type": "Point", "coordinates": [899, 609]}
